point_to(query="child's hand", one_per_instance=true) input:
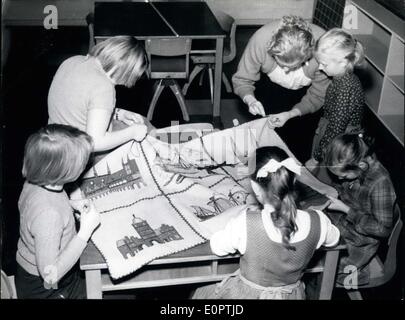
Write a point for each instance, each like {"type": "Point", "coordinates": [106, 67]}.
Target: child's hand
{"type": "Point", "coordinates": [89, 220]}
{"type": "Point", "coordinates": [338, 205]}
{"type": "Point", "coordinates": [80, 205]}
{"type": "Point", "coordinates": [311, 164]}
{"type": "Point", "coordinates": [278, 120]}
{"type": "Point", "coordinates": [130, 118]}
{"type": "Point", "coordinates": [140, 131]}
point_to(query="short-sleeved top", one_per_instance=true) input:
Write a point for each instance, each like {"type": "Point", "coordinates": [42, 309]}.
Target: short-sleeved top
{"type": "Point", "coordinates": [79, 85]}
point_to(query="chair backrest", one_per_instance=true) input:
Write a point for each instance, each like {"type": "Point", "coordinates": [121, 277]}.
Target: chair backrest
{"type": "Point", "coordinates": [228, 24]}
{"type": "Point", "coordinates": [90, 26]}
{"type": "Point", "coordinates": [7, 288]}
{"type": "Point", "coordinates": [390, 262]}
{"type": "Point", "coordinates": [167, 49]}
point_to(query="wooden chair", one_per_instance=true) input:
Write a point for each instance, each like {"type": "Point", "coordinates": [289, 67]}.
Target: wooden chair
{"type": "Point", "coordinates": [8, 290]}
{"type": "Point", "coordinates": [90, 27]}
{"type": "Point", "coordinates": [168, 62]}
{"type": "Point", "coordinates": [382, 272]}
{"type": "Point", "coordinates": [206, 61]}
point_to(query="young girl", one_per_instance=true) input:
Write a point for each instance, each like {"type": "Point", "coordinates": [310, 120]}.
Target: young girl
{"type": "Point", "coordinates": [276, 239]}
{"type": "Point", "coordinates": [82, 93]}
{"type": "Point", "coordinates": [337, 53]}
{"type": "Point", "coordinates": [364, 212]}
{"type": "Point", "coordinates": [49, 247]}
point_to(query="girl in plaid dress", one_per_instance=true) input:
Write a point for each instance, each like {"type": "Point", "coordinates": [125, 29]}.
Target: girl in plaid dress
{"type": "Point", "coordinates": [364, 211]}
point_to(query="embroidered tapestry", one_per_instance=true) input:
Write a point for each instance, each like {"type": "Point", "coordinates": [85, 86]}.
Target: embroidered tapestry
{"type": "Point", "coordinates": [157, 198]}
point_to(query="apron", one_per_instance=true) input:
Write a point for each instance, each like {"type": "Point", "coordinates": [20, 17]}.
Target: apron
{"type": "Point", "coordinates": [235, 286]}
{"type": "Point", "coordinates": [293, 80]}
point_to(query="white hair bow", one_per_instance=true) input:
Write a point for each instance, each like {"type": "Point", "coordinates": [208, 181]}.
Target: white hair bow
{"type": "Point", "coordinates": [274, 165]}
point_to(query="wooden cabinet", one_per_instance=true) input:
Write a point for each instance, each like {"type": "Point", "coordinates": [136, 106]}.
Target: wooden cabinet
{"type": "Point", "coordinates": [382, 34]}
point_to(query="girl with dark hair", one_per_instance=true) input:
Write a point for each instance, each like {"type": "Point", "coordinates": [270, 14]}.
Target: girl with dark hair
{"type": "Point", "coordinates": [276, 240]}
{"type": "Point", "coordinates": [364, 211]}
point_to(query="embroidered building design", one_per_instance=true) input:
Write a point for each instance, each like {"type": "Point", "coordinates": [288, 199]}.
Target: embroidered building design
{"type": "Point", "coordinates": [132, 245]}
{"type": "Point", "coordinates": [126, 178]}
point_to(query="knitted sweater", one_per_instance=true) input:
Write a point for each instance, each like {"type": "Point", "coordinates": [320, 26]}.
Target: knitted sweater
{"type": "Point", "coordinates": [255, 59]}
{"type": "Point", "coordinates": [47, 232]}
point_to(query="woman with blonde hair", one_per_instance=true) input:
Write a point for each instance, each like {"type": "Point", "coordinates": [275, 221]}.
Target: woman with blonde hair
{"type": "Point", "coordinates": [337, 53]}
{"type": "Point", "coordinates": [283, 51]}
{"type": "Point", "coordinates": [82, 93]}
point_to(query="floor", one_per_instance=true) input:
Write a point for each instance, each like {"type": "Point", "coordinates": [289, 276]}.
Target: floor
{"type": "Point", "coordinates": [35, 54]}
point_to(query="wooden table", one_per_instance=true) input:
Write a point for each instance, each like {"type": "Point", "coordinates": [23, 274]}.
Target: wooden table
{"type": "Point", "coordinates": [142, 20]}
{"type": "Point", "coordinates": [195, 265]}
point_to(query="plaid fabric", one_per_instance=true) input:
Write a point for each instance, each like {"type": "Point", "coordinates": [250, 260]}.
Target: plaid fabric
{"type": "Point", "coordinates": [370, 219]}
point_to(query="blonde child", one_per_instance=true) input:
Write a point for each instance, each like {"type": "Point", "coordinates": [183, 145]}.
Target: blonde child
{"type": "Point", "coordinates": [49, 247]}
{"type": "Point", "coordinates": [337, 53]}
{"type": "Point", "coordinates": [364, 211]}
{"type": "Point", "coordinates": [82, 92]}
{"type": "Point", "coordinates": [275, 239]}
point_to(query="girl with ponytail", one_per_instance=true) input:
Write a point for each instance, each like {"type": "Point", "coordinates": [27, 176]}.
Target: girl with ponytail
{"type": "Point", "coordinates": [275, 239]}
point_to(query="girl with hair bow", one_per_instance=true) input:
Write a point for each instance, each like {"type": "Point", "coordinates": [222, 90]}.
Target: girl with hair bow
{"type": "Point", "coordinates": [276, 240]}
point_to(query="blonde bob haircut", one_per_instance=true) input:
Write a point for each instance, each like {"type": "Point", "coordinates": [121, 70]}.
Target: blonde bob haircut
{"type": "Point", "coordinates": [293, 42]}
{"type": "Point", "coordinates": [56, 154]}
{"type": "Point", "coordinates": [339, 42]}
{"type": "Point", "coordinates": [123, 57]}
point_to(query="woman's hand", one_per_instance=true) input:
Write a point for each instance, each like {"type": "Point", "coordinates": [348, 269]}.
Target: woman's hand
{"type": "Point", "coordinates": [278, 120]}
{"type": "Point", "coordinates": [128, 117]}
{"type": "Point", "coordinates": [255, 106]}
{"type": "Point", "coordinates": [338, 205]}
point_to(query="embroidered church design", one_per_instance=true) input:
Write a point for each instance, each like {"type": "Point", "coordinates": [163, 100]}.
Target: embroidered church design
{"type": "Point", "coordinates": [132, 245]}
{"type": "Point", "coordinates": [126, 178]}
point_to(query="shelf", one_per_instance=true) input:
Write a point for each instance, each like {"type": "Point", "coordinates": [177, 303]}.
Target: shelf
{"type": "Point", "coordinates": [392, 100]}
{"type": "Point", "coordinates": [375, 50]}
{"type": "Point", "coordinates": [395, 64]}
{"type": "Point", "coordinates": [381, 16]}
{"type": "Point", "coordinates": [372, 82]}
{"type": "Point", "coordinates": [395, 124]}
{"type": "Point", "coordinates": [397, 81]}
{"type": "Point", "coordinates": [382, 77]}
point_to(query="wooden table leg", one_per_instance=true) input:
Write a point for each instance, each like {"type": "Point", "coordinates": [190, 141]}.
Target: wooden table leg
{"type": "Point", "coordinates": [93, 284]}
{"type": "Point", "coordinates": [329, 274]}
{"type": "Point", "coordinates": [218, 78]}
